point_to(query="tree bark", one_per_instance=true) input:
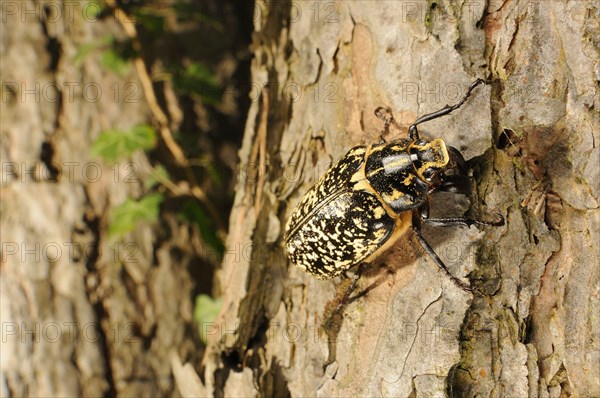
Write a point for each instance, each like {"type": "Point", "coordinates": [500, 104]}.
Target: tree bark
{"type": "Point", "coordinates": [81, 315]}
{"type": "Point", "coordinates": [531, 136]}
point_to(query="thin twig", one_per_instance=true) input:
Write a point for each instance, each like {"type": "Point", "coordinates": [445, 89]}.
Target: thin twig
{"type": "Point", "coordinates": [177, 153]}
{"type": "Point", "coordinates": [262, 150]}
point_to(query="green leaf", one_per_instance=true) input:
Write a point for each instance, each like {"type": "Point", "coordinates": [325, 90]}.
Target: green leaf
{"type": "Point", "coordinates": [92, 10]}
{"type": "Point", "coordinates": [124, 217]}
{"type": "Point", "coordinates": [197, 79]}
{"type": "Point", "coordinates": [86, 48]}
{"type": "Point", "coordinates": [114, 62]}
{"type": "Point", "coordinates": [158, 176]}
{"type": "Point", "coordinates": [214, 174]}
{"type": "Point", "coordinates": [192, 211]}
{"type": "Point", "coordinates": [115, 54]}
{"type": "Point", "coordinates": [83, 51]}
{"type": "Point", "coordinates": [114, 144]}
{"type": "Point", "coordinates": [206, 310]}
{"type": "Point", "coordinates": [150, 20]}
{"type": "Point", "coordinates": [189, 11]}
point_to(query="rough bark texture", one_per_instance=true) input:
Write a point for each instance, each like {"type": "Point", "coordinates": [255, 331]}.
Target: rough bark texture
{"type": "Point", "coordinates": [80, 315]}
{"type": "Point", "coordinates": [531, 134]}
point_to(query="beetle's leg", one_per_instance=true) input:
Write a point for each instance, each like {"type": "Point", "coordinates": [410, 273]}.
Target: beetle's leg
{"type": "Point", "coordinates": [454, 221]}
{"type": "Point", "coordinates": [459, 184]}
{"type": "Point", "coordinates": [424, 211]}
{"type": "Point", "coordinates": [417, 230]}
{"type": "Point", "coordinates": [350, 288]}
{"type": "Point", "coordinates": [387, 117]}
{"type": "Point", "coordinates": [461, 221]}
{"type": "Point", "coordinates": [413, 133]}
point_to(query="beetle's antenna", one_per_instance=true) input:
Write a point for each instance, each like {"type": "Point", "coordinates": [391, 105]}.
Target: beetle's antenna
{"type": "Point", "coordinates": [413, 133]}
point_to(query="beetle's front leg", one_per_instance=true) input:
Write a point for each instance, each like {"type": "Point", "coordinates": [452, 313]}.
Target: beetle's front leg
{"type": "Point", "coordinates": [455, 221]}
{"type": "Point", "coordinates": [416, 226]}
{"type": "Point", "coordinates": [459, 184]}
{"type": "Point", "coordinates": [462, 221]}
{"type": "Point", "coordinates": [424, 211]}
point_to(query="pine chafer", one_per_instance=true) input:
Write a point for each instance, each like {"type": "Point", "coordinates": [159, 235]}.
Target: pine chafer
{"type": "Point", "coordinates": [372, 196]}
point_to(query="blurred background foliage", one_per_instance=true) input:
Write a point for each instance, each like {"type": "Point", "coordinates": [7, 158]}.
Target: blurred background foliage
{"type": "Point", "coordinates": [196, 54]}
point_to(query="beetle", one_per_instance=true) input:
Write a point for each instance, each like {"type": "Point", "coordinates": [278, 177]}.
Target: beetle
{"type": "Point", "coordinates": [372, 196]}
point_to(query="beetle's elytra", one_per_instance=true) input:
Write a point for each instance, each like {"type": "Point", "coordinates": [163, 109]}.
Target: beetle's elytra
{"type": "Point", "coordinates": [372, 196]}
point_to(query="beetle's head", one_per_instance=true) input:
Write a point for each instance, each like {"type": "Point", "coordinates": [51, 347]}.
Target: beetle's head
{"type": "Point", "coordinates": [456, 176]}
{"type": "Point", "coordinates": [441, 167]}
{"type": "Point", "coordinates": [457, 166]}
{"type": "Point", "coordinates": [431, 159]}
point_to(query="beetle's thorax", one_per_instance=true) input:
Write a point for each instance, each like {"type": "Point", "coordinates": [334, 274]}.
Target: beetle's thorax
{"type": "Point", "coordinates": [390, 171]}
{"type": "Point", "coordinates": [429, 158]}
